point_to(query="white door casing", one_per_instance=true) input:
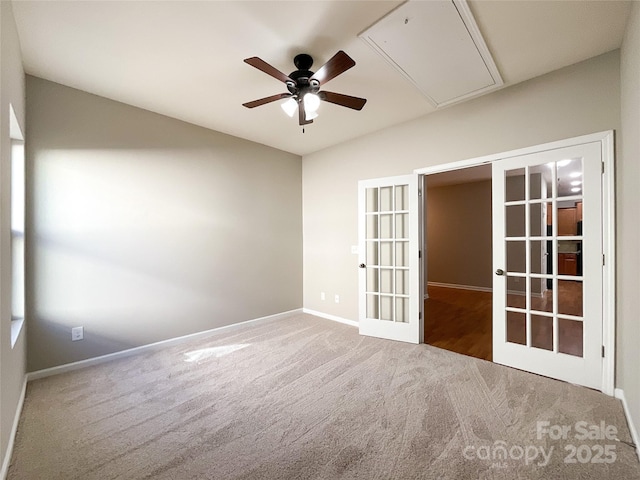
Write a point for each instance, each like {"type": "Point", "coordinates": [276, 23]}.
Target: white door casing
{"type": "Point", "coordinates": [557, 332]}
{"type": "Point", "coordinates": [390, 297]}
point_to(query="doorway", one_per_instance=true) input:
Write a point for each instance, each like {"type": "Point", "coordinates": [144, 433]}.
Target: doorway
{"type": "Point", "coordinates": [458, 304]}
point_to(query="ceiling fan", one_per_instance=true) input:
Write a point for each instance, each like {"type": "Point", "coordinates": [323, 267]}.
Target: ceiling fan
{"type": "Point", "coordinates": [304, 86]}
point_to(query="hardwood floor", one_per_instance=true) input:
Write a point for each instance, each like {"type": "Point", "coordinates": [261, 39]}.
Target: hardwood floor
{"type": "Point", "coordinates": [461, 320]}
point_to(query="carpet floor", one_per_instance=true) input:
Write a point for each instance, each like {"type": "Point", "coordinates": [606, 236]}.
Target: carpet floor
{"type": "Point", "coordinates": [307, 398]}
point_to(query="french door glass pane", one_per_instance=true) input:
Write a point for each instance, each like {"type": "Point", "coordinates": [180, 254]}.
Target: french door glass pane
{"type": "Point", "coordinates": [386, 199]}
{"type": "Point", "coordinates": [514, 185]}
{"type": "Point", "coordinates": [515, 220]}
{"type": "Point", "coordinates": [402, 254]}
{"type": "Point", "coordinates": [570, 298]}
{"type": "Point", "coordinates": [386, 226]}
{"type": "Point", "coordinates": [386, 280]}
{"type": "Point", "coordinates": [542, 332]}
{"type": "Point", "coordinates": [372, 253]}
{"type": "Point", "coordinates": [570, 337]}
{"type": "Point", "coordinates": [386, 254]}
{"type": "Point", "coordinates": [402, 282]}
{"type": "Point", "coordinates": [386, 308]}
{"type": "Point", "coordinates": [569, 177]}
{"type": "Point", "coordinates": [372, 306]}
{"type": "Point", "coordinates": [372, 280]}
{"type": "Point", "coordinates": [516, 328]}
{"type": "Point", "coordinates": [402, 197]}
{"type": "Point", "coordinates": [516, 259]}
{"type": "Point", "coordinates": [402, 225]}
{"type": "Point", "coordinates": [372, 227]}
{"type": "Point", "coordinates": [371, 199]}
{"type": "Point", "coordinates": [402, 310]}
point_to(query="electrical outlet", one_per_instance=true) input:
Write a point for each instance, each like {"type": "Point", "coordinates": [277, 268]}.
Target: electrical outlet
{"type": "Point", "coordinates": [322, 296]}
{"type": "Point", "coordinates": [77, 333]}
{"type": "Point", "coordinates": [337, 298]}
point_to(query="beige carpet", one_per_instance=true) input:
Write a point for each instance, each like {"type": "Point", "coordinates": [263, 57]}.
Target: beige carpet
{"type": "Point", "coordinates": [307, 398]}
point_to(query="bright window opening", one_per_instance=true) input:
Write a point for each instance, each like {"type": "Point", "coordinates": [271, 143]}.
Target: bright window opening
{"type": "Point", "coordinates": [17, 226]}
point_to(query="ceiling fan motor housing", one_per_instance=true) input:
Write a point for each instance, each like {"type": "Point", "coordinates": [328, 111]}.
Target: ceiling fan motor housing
{"type": "Point", "coordinates": [302, 77]}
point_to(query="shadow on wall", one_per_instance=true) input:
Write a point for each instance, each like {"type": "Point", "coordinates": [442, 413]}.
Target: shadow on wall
{"type": "Point", "coordinates": [142, 228]}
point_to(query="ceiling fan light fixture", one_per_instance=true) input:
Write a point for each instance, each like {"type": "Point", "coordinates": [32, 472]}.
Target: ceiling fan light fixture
{"type": "Point", "coordinates": [310, 115]}
{"type": "Point", "coordinates": [311, 103]}
{"type": "Point", "coordinates": [290, 106]}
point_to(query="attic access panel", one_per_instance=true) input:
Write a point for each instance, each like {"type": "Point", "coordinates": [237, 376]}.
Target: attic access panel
{"type": "Point", "coordinates": [438, 47]}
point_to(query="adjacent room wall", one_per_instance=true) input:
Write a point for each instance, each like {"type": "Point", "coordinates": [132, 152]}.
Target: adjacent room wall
{"type": "Point", "coordinates": [459, 246]}
{"type": "Point", "coordinates": [628, 220]}
{"type": "Point", "coordinates": [12, 360]}
{"type": "Point", "coordinates": [576, 100]}
{"type": "Point", "coordinates": [145, 228]}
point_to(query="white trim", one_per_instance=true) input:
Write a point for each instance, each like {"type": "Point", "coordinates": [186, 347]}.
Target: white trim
{"type": "Point", "coordinates": [327, 316]}
{"type": "Point", "coordinates": [47, 372]}
{"type": "Point", "coordinates": [619, 394]}
{"type": "Point", "coordinates": [609, 269]}
{"type": "Point", "coordinates": [12, 436]}
{"type": "Point", "coordinates": [460, 287]}
{"type": "Point", "coordinates": [473, 162]}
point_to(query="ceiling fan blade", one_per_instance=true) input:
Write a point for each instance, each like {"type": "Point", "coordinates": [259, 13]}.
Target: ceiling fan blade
{"type": "Point", "coordinates": [339, 63]}
{"type": "Point", "coordinates": [268, 69]}
{"type": "Point", "coordinates": [302, 115]}
{"type": "Point", "coordinates": [262, 101]}
{"type": "Point", "coordinates": [344, 100]}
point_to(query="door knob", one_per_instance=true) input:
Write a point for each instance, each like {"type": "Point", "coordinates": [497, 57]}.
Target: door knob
{"type": "Point", "coordinates": [362, 265]}
{"type": "Point", "coordinates": [499, 272]}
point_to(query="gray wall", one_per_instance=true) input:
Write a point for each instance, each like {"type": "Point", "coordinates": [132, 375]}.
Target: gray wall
{"type": "Point", "coordinates": [459, 234]}
{"type": "Point", "coordinates": [576, 100]}
{"type": "Point", "coordinates": [144, 228]}
{"type": "Point", "coordinates": [12, 91]}
{"type": "Point", "coordinates": [628, 235]}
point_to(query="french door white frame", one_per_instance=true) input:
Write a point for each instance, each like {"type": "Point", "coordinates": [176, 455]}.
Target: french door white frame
{"type": "Point", "coordinates": [606, 140]}
{"type": "Point", "coordinates": [411, 327]}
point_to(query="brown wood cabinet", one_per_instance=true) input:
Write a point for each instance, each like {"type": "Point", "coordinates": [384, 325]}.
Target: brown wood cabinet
{"type": "Point", "coordinates": [567, 264]}
{"type": "Point", "coordinates": [567, 221]}
{"type": "Point", "coordinates": [579, 211]}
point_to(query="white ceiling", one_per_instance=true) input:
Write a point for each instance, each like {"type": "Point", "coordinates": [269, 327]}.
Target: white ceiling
{"type": "Point", "coordinates": [184, 59]}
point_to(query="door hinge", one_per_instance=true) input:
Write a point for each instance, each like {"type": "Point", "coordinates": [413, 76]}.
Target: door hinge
{"type": "Point", "coordinates": [603, 167]}
{"type": "Point", "coordinates": [419, 253]}
{"type": "Point", "coordinates": [603, 260]}
{"type": "Point", "coordinates": [420, 316]}
{"type": "Point", "coordinates": [602, 351]}
{"type": "Point", "coordinates": [419, 192]}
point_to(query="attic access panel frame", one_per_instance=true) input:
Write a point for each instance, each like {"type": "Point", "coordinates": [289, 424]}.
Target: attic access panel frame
{"type": "Point", "coordinates": [438, 47]}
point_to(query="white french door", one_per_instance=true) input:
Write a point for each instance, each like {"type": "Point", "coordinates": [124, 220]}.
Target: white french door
{"type": "Point", "coordinates": [548, 263]}
{"type": "Point", "coordinates": [390, 302]}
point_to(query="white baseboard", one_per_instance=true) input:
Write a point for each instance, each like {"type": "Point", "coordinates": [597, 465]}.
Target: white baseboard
{"type": "Point", "coordinates": [335, 318]}
{"type": "Point", "coordinates": [460, 287]}
{"type": "Point", "coordinates": [619, 394]}
{"type": "Point", "coordinates": [47, 372]}
{"type": "Point", "coordinates": [12, 436]}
